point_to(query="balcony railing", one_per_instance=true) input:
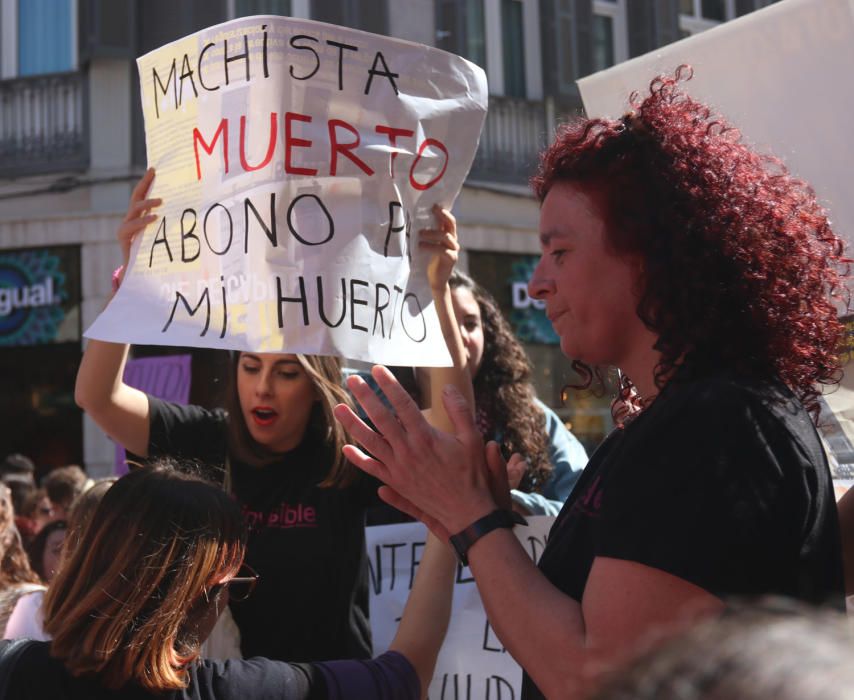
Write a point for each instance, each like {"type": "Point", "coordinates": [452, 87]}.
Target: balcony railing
{"type": "Point", "coordinates": [513, 136]}
{"type": "Point", "coordinates": [44, 124]}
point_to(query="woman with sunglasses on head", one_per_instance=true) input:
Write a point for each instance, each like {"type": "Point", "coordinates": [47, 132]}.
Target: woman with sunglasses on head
{"type": "Point", "coordinates": [280, 450]}
{"type": "Point", "coordinates": [154, 568]}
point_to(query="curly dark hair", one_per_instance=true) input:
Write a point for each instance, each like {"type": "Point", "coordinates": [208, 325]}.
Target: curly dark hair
{"type": "Point", "coordinates": [740, 266]}
{"type": "Point", "coordinates": [503, 391]}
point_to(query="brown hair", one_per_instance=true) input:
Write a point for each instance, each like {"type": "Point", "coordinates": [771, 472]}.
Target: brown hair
{"type": "Point", "coordinates": [64, 484]}
{"type": "Point", "coordinates": [120, 606]}
{"type": "Point", "coordinates": [14, 564]}
{"type": "Point", "coordinates": [83, 509]}
{"type": "Point", "coordinates": [325, 375]}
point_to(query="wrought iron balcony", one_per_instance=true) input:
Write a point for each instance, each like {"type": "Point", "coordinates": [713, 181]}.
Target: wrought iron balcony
{"type": "Point", "coordinates": [44, 124]}
{"type": "Point", "coordinates": [512, 138]}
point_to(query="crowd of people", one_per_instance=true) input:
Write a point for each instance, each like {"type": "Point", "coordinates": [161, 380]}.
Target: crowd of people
{"type": "Point", "coordinates": [232, 563]}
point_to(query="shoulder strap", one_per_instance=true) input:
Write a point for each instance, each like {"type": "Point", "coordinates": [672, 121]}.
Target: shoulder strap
{"type": "Point", "coordinates": [10, 652]}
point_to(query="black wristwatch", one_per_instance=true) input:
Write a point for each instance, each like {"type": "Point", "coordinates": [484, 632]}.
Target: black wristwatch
{"type": "Point", "coordinates": [463, 541]}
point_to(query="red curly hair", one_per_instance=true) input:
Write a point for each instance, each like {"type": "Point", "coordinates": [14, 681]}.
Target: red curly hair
{"type": "Point", "coordinates": [740, 265]}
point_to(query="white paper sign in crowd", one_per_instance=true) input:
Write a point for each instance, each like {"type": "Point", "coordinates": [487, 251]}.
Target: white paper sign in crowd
{"type": "Point", "coordinates": [473, 664]}
{"type": "Point", "coordinates": [297, 160]}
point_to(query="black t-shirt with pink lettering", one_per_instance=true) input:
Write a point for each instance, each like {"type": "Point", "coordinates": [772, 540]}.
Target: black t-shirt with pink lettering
{"type": "Point", "coordinates": [306, 543]}
{"type": "Point", "coordinates": [723, 482]}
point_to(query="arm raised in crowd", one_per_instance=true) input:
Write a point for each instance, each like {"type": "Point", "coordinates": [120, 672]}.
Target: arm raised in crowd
{"type": "Point", "coordinates": [120, 410]}
{"type": "Point", "coordinates": [428, 608]}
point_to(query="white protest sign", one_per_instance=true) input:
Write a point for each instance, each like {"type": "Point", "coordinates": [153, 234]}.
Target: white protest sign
{"type": "Point", "coordinates": [472, 663]}
{"type": "Point", "coordinates": [297, 160]}
{"type": "Point", "coordinates": [782, 75]}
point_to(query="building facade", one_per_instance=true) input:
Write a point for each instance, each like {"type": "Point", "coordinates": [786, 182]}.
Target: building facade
{"type": "Point", "coordinates": [72, 146]}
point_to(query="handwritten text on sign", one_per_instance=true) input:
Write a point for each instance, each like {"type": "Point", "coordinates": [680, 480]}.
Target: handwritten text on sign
{"type": "Point", "coordinates": [296, 161]}
{"type": "Point", "coordinates": [473, 664]}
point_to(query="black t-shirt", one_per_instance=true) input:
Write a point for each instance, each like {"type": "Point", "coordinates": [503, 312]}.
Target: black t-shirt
{"type": "Point", "coordinates": [306, 543]}
{"type": "Point", "coordinates": [722, 482]}
{"type": "Point", "coordinates": [37, 676]}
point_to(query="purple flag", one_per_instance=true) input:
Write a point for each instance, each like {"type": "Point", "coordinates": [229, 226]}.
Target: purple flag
{"type": "Point", "coordinates": [166, 377]}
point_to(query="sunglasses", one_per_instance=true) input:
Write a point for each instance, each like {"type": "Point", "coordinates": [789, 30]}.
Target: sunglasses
{"type": "Point", "coordinates": [241, 586]}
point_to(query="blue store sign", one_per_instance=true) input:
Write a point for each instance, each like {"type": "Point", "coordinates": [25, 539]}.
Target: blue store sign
{"type": "Point", "coordinates": [527, 315]}
{"type": "Point", "coordinates": [40, 296]}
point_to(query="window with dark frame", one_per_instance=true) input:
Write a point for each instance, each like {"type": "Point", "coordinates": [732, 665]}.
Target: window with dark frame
{"type": "Point", "coordinates": [368, 15]}
{"type": "Point", "coordinates": [513, 45]}
{"type": "Point", "coordinates": [460, 29]}
{"type": "Point", "coordinates": [245, 8]}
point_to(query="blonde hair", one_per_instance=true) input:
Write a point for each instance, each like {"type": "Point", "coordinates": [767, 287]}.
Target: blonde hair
{"type": "Point", "coordinates": [123, 604]}
{"type": "Point", "coordinates": [325, 374]}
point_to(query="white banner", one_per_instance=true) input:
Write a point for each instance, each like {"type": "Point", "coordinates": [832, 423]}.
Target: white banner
{"type": "Point", "coordinates": [297, 161]}
{"type": "Point", "coordinates": [472, 663]}
{"type": "Point", "coordinates": [782, 75]}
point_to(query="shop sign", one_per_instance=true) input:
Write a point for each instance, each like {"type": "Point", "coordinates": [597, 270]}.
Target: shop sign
{"type": "Point", "coordinates": [527, 315]}
{"type": "Point", "coordinates": [39, 296]}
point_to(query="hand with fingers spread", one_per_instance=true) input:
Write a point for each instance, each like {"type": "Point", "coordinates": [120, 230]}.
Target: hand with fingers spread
{"type": "Point", "coordinates": [138, 216]}
{"type": "Point", "coordinates": [445, 480]}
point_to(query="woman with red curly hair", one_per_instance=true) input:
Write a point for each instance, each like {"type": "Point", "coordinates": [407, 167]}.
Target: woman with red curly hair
{"type": "Point", "coordinates": [707, 274]}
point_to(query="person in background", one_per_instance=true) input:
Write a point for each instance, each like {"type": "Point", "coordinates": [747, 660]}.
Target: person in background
{"type": "Point", "coordinates": [17, 471]}
{"type": "Point", "coordinates": [508, 410]}
{"type": "Point", "coordinates": [64, 485]}
{"type": "Point", "coordinates": [16, 576]}
{"type": "Point", "coordinates": [27, 620]}
{"type": "Point", "coordinates": [46, 548]}
{"type": "Point", "coordinates": [38, 512]}
{"type": "Point", "coordinates": [710, 276]}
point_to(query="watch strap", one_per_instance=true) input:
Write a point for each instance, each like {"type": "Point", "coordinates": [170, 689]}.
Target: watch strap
{"type": "Point", "coordinates": [499, 518]}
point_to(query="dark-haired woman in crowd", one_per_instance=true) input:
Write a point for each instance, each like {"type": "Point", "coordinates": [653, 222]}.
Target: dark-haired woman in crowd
{"type": "Point", "coordinates": [159, 561]}
{"type": "Point", "coordinates": [507, 409]}
{"type": "Point", "coordinates": [549, 457]}
{"type": "Point", "coordinates": [709, 275]}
